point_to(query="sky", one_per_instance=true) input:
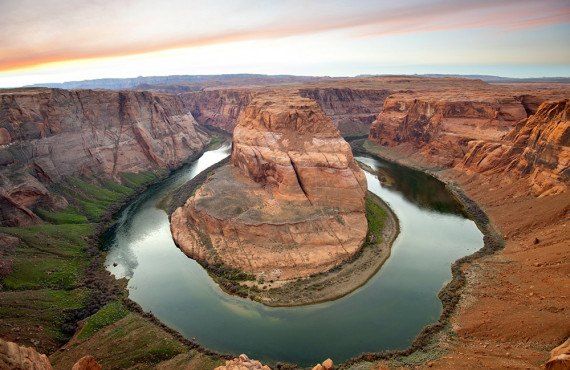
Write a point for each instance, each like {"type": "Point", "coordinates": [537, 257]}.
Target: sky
{"type": "Point", "coordinates": [61, 40]}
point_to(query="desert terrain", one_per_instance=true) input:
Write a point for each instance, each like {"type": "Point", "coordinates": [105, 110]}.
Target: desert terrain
{"type": "Point", "coordinates": [70, 159]}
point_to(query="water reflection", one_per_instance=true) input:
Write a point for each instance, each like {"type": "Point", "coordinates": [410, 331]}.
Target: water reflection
{"type": "Point", "coordinates": [421, 189]}
{"type": "Point", "coordinates": [386, 313]}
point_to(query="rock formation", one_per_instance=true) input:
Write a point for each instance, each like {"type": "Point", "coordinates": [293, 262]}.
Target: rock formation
{"type": "Point", "coordinates": [243, 363]}
{"type": "Point", "coordinates": [86, 363]}
{"type": "Point", "coordinates": [49, 134]}
{"type": "Point", "coordinates": [351, 110]}
{"type": "Point", "coordinates": [559, 357]}
{"type": "Point", "coordinates": [14, 357]}
{"type": "Point", "coordinates": [441, 124]}
{"type": "Point", "coordinates": [484, 133]}
{"type": "Point", "coordinates": [217, 108]}
{"type": "Point", "coordinates": [291, 203]}
{"type": "Point", "coordinates": [537, 148]}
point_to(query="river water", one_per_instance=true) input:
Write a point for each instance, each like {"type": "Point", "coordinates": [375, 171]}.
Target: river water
{"type": "Point", "coordinates": [386, 313]}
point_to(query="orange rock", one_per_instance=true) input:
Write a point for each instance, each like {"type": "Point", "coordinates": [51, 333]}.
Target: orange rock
{"type": "Point", "coordinates": [15, 357]}
{"type": "Point", "coordinates": [53, 134]}
{"type": "Point", "coordinates": [559, 357]}
{"type": "Point", "coordinates": [292, 203]}
{"type": "Point", "coordinates": [86, 363]}
{"type": "Point", "coordinates": [537, 149]}
{"type": "Point", "coordinates": [328, 364]}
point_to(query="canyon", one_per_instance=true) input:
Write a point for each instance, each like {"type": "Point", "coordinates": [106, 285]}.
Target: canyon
{"type": "Point", "coordinates": [48, 135]}
{"type": "Point", "coordinates": [292, 178]}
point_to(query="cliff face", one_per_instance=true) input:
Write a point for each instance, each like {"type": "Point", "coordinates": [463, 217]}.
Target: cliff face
{"type": "Point", "coordinates": [351, 110]}
{"type": "Point", "coordinates": [217, 108]}
{"type": "Point", "coordinates": [48, 135]}
{"type": "Point", "coordinates": [440, 126]}
{"type": "Point", "coordinates": [291, 203]}
{"type": "Point", "coordinates": [537, 148]}
{"type": "Point", "coordinates": [485, 133]}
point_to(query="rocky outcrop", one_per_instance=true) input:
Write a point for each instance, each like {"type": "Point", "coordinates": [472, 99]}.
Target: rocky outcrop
{"type": "Point", "coordinates": [217, 108]}
{"type": "Point", "coordinates": [351, 110]}
{"type": "Point", "coordinates": [326, 365]}
{"type": "Point", "coordinates": [50, 134]}
{"type": "Point", "coordinates": [243, 363]}
{"type": "Point", "coordinates": [538, 148]}
{"type": "Point", "coordinates": [440, 125]}
{"type": "Point", "coordinates": [559, 357]}
{"type": "Point", "coordinates": [86, 363]}
{"type": "Point", "coordinates": [15, 357]}
{"type": "Point", "coordinates": [291, 203]}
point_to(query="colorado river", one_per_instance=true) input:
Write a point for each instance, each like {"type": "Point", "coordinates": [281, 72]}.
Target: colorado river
{"type": "Point", "coordinates": [386, 313]}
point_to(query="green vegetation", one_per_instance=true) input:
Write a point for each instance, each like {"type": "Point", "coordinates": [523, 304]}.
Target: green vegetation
{"type": "Point", "coordinates": [131, 341]}
{"type": "Point", "coordinates": [67, 216]}
{"type": "Point", "coordinates": [45, 284]}
{"type": "Point", "coordinates": [376, 217]}
{"type": "Point", "coordinates": [110, 313]}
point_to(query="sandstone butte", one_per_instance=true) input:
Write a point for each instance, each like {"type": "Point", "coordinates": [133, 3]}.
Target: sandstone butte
{"type": "Point", "coordinates": [47, 135]}
{"type": "Point", "coordinates": [290, 204]}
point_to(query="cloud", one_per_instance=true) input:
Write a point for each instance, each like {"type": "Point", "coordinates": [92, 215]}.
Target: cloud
{"type": "Point", "coordinates": [36, 33]}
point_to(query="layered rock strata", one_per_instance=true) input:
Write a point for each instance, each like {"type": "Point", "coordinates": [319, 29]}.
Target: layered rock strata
{"type": "Point", "coordinates": [291, 203]}
{"type": "Point", "coordinates": [351, 110]}
{"type": "Point", "coordinates": [441, 124]}
{"type": "Point", "coordinates": [49, 134]}
{"type": "Point", "coordinates": [538, 148]}
{"type": "Point", "coordinates": [217, 108]}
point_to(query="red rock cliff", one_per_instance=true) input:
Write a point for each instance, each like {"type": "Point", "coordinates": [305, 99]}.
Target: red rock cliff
{"type": "Point", "coordinates": [538, 148]}
{"type": "Point", "coordinates": [217, 108]}
{"type": "Point", "coordinates": [440, 125]}
{"type": "Point", "coordinates": [290, 205]}
{"type": "Point", "coordinates": [352, 110]}
{"type": "Point", "coordinates": [49, 134]}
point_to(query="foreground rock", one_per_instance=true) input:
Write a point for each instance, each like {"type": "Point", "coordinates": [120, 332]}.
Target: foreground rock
{"type": "Point", "coordinates": [291, 203]}
{"type": "Point", "coordinates": [47, 135]}
{"type": "Point", "coordinates": [241, 363]}
{"type": "Point", "coordinates": [14, 357]}
{"type": "Point", "coordinates": [559, 357]}
{"type": "Point", "coordinates": [86, 363]}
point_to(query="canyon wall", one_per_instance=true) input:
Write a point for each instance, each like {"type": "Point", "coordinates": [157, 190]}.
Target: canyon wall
{"type": "Point", "coordinates": [217, 108]}
{"type": "Point", "coordinates": [440, 125]}
{"type": "Point", "coordinates": [485, 133]}
{"type": "Point", "coordinates": [352, 110]}
{"type": "Point", "coordinates": [537, 148]}
{"type": "Point", "coordinates": [290, 204]}
{"type": "Point", "coordinates": [47, 135]}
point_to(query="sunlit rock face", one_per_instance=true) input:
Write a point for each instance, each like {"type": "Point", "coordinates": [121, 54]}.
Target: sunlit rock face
{"type": "Point", "coordinates": [537, 149]}
{"type": "Point", "coordinates": [290, 204]}
{"type": "Point", "coordinates": [440, 125]}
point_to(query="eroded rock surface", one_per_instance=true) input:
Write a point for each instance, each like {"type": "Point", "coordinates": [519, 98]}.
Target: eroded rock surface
{"type": "Point", "coordinates": [290, 204]}
{"type": "Point", "coordinates": [49, 134]}
{"type": "Point", "coordinates": [537, 148]}
{"type": "Point", "coordinates": [441, 124]}
{"type": "Point", "coordinates": [15, 357]}
{"type": "Point", "coordinates": [217, 108]}
{"type": "Point", "coordinates": [351, 110]}
{"type": "Point", "coordinates": [243, 363]}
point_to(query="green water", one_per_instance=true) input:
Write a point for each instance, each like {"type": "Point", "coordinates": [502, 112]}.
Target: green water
{"type": "Point", "coordinates": [386, 313]}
